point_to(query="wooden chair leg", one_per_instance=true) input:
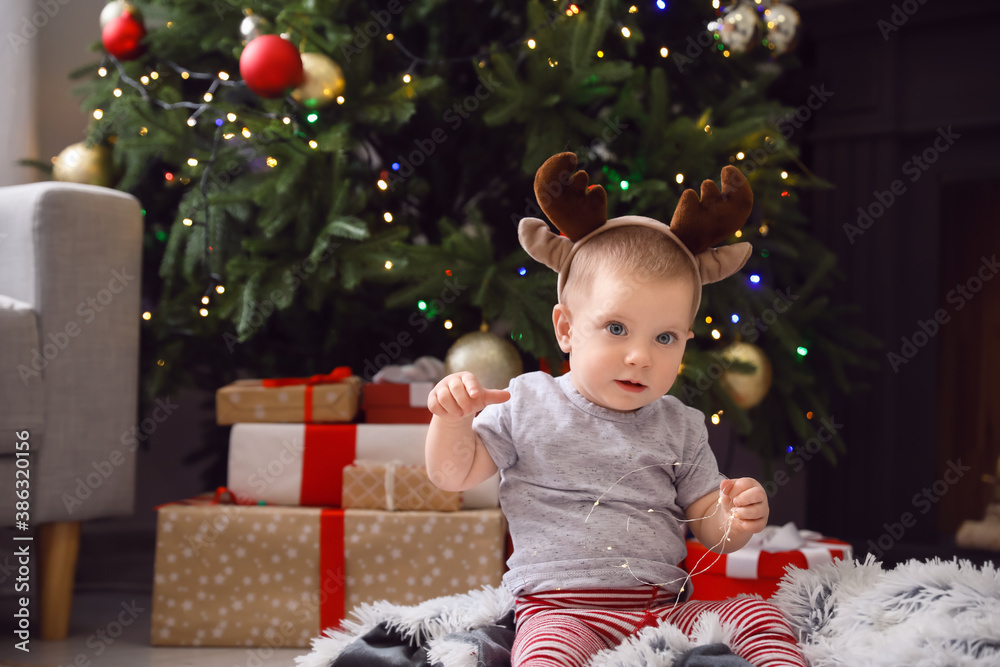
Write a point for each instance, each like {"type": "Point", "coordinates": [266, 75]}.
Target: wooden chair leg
{"type": "Point", "coordinates": [58, 546]}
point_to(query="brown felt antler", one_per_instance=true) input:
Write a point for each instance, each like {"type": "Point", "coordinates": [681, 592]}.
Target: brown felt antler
{"type": "Point", "coordinates": [563, 193]}
{"type": "Point", "coordinates": [580, 211]}
{"type": "Point", "coordinates": [702, 224]}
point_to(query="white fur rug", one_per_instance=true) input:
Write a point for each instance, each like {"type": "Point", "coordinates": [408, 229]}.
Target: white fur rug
{"type": "Point", "coordinates": [919, 614]}
{"type": "Point", "coordinates": [428, 622]}
{"type": "Point", "coordinates": [848, 613]}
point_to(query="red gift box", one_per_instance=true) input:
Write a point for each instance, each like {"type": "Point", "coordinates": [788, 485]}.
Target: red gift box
{"type": "Point", "coordinates": [396, 403]}
{"type": "Point", "coordinates": [753, 570]}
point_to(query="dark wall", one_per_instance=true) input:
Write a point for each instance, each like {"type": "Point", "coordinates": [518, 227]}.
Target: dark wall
{"type": "Point", "coordinates": [895, 93]}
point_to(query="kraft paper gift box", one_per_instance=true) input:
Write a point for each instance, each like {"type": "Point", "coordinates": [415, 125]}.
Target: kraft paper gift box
{"type": "Point", "coordinates": [393, 486]}
{"type": "Point", "coordinates": [320, 398]}
{"type": "Point", "coordinates": [237, 575]}
{"type": "Point", "coordinates": [303, 464]}
{"type": "Point", "coordinates": [396, 403]}
{"type": "Point", "coordinates": [758, 567]}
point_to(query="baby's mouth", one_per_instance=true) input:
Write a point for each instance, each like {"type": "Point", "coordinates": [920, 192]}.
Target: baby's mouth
{"type": "Point", "coordinates": [628, 385]}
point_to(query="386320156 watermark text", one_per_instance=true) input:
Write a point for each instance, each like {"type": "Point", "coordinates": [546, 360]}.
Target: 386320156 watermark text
{"type": "Point", "coordinates": [22, 543]}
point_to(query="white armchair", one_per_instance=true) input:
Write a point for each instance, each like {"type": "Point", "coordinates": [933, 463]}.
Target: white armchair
{"type": "Point", "coordinates": [70, 282]}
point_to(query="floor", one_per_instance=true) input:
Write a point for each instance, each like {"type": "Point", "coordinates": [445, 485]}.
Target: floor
{"type": "Point", "coordinates": [115, 573]}
{"type": "Point", "coordinates": [89, 643]}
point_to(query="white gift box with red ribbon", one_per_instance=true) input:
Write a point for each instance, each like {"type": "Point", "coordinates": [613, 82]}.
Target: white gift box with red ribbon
{"type": "Point", "coordinates": [303, 464]}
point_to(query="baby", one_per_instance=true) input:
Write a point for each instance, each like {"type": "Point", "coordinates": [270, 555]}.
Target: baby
{"type": "Point", "coordinates": [600, 470]}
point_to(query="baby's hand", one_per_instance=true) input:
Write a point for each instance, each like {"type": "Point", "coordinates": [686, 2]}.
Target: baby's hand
{"type": "Point", "coordinates": [746, 499]}
{"type": "Point", "coordinates": [460, 395]}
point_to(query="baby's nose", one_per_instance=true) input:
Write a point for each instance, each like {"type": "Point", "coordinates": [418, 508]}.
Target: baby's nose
{"type": "Point", "coordinates": [638, 355]}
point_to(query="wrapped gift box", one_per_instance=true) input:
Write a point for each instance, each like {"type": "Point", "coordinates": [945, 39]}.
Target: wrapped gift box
{"type": "Point", "coordinates": [392, 486]}
{"type": "Point", "coordinates": [303, 464]}
{"type": "Point", "coordinates": [321, 398]}
{"type": "Point", "coordinates": [758, 567]}
{"type": "Point", "coordinates": [235, 575]}
{"type": "Point", "coordinates": [396, 403]}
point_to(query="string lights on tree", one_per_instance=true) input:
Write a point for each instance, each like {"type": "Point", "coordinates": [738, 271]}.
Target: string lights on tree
{"type": "Point", "coordinates": [271, 66]}
{"type": "Point", "coordinates": [283, 194]}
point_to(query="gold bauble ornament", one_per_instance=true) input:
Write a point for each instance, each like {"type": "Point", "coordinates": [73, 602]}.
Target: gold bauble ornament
{"type": "Point", "coordinates": [79, 163]}
{"type": "Point", "coordinates": [493, 360]}
{"type": "Point", "coordinates": [322, 81]}
{"type": "Point", "coordinates": [747, 390]}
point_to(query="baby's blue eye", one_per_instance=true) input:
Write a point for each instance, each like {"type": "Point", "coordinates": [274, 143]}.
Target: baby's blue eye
{"type": "Point", "coordinates": [665, 338]}
{"type": "Point", "coordinates": [616, 329]}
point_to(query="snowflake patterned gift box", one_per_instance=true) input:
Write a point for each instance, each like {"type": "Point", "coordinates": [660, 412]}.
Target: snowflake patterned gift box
{"type": "Point", "coordinates": [250, 575]}
{"type": "Point", "coordinates": [758, 567]}
{"type": "Point", "coordinates": [396, 402]}
{"type": "Point", "coordinates": [303, 464]}
{"type": "Point", "coordinates": [333, 397]}
{"type": "Point", "coordinates": [393, 486]}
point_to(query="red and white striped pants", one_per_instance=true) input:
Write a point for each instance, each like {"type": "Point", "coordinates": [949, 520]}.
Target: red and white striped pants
{"type": "Point", "coordinates": [565, 628]}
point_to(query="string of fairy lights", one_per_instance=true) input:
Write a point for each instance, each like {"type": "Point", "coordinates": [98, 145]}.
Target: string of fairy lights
{"type": "Point", "coordinates": [229, 125]}
{"type": "Point", "coordinates": [727, 529]}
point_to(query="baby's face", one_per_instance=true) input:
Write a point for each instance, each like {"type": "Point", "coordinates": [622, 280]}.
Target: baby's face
{"type": "Point", "coordinates": [626, 338]}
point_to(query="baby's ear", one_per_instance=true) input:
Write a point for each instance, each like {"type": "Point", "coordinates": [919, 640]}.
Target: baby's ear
{"type": "Point", "coordinates": [563, 326]}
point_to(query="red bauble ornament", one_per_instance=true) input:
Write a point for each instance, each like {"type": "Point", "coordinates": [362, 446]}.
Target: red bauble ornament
{"type": "Point", "coordinates": [122, 37]}
{"type": "Point", "coordinates": [270, 66]}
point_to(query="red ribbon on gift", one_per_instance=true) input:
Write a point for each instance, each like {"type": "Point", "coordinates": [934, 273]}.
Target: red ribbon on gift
{"type": "Point", "coordinates": [332, 579]}
{"type": "Point", "coordinates": [339, 374]}
{"type": "Point", "coordinates": [216, 499]}
{"type": "Point", "coordinates": [328, 448]}
{"type": "Point", "coordinates": [234, 498]}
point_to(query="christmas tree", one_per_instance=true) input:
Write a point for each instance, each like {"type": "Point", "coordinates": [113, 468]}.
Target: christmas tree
{"type": "Point", "coordinates": [328, 183]}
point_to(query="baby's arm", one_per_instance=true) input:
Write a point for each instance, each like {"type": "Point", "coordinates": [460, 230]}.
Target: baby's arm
{"type": "Point", "coordinates": [455, 455]}
{"type": "Point", "coordinates": [744, 499]}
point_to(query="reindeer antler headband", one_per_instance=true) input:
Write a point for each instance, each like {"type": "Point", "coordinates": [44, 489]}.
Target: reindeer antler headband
{"type": "Point", "coordinates": [580, 213]}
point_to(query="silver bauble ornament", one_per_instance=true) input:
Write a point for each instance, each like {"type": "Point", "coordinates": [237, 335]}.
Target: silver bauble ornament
{"type": "Point", "coordinates": [783, 24]}
{"type": "Point", "coordinates": [739, 28]}
{"type": "Point", "coordinates": [252, 26]}
{"type": "Point", "coordinates": [79, 163]}
{"type": "Point", "coordinates": [492, 359]}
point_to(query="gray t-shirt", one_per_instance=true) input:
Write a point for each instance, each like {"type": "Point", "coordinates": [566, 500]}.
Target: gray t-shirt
{"type": "Point", "coordinates": [557, 453]}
